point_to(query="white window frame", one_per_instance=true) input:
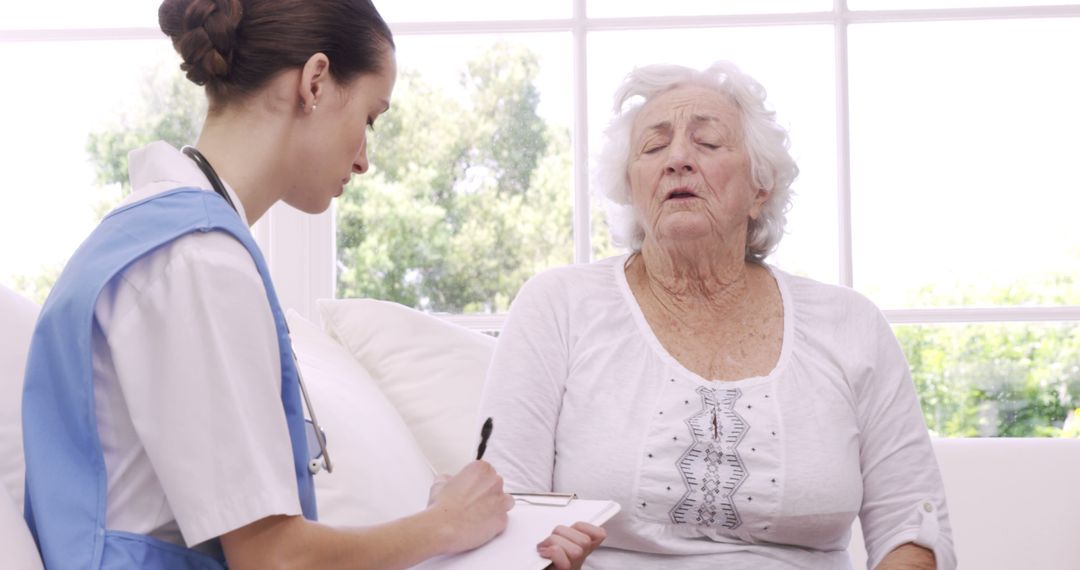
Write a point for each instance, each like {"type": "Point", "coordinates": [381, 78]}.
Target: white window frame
{"type": "Point", "coordinates": [840, 17]}
{"type": "Point", "coordinates": [301, 249]}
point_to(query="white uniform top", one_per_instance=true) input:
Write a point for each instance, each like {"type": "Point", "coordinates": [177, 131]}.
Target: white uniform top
{"type": "Point", "coordinates": [764, 473]}
{"type": "Point", "coordinates": [187, 381]}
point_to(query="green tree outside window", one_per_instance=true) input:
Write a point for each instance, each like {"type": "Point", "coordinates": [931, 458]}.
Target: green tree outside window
{"type": "Point", "coordinates": [467, 198]}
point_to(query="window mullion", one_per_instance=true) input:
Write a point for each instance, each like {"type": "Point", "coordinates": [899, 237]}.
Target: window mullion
{"type": "Point", "coordinates": [300, 250]}
{"type": "Point", "coordinates": [982, 315]}
{"type": "Point", "coordinates": [843, 146]}
{"type": "Point", "coordinates": [582, 208]}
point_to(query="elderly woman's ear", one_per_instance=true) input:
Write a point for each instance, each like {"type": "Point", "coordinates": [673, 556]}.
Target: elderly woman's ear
{"type": "Point", "coordinates": [760, 199]}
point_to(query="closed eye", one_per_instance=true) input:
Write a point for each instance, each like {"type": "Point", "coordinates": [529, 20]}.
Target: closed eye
{"type": "Point", "coordinates": [654, 149]}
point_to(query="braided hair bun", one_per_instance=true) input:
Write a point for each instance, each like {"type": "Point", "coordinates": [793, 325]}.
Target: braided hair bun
{"type": "Point", "coordinates": [204, 33]}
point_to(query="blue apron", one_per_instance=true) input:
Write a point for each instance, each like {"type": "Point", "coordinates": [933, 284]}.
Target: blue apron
{"type": "Point", "coordinates": [65, 467]}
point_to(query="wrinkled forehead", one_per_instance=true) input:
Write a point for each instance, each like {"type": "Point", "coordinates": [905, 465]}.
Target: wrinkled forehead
{"type": "Point", "coordinates": [684, 105]}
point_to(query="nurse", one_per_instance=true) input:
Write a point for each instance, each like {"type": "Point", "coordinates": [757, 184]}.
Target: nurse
{"type": "Point", "coordinates": [163, 417]}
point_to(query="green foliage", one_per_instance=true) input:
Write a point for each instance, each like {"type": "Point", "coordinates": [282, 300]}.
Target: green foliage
{"type": "Point", "coordinates": [171, 109]}
{"type": "Point", "coordinates": [467, 196]}
{"type": "Point", "coordinates": [36, 287]}
{"type": "Point", "coordinates": [1015, 379]}
{"type": "Point", "coordinates": [510, 144]}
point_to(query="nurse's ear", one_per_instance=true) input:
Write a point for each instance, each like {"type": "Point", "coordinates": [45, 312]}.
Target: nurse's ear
{"type": "Point", "coordinates": [314, 78]}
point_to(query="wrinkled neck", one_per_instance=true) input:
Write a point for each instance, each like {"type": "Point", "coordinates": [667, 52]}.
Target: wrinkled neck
{"type": "Point", "coordinates": [707, 286]}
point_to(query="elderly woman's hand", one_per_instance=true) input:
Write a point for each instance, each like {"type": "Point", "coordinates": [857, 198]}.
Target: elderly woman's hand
{"type": "Point", "coordinates": [568, 546]}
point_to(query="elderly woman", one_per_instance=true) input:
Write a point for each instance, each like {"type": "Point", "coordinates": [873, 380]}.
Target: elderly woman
{"type": "Point", "coordinates": [743, 417]}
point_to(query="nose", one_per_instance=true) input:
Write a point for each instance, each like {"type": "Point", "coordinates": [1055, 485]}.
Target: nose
{"type": "Point", "coordinates": [678, 158]}
{"type": "Point", "coordinates": [360, 162]}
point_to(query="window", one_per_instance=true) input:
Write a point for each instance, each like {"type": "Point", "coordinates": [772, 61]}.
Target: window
{"type": "Point", "coordinates": [964, 148]}
{"type": "Point", "coordinates": [934, 164]}
{"type": "Point", "coordinates": [468, 192]}
{"type": "Point", "coordinates": [66, 115]}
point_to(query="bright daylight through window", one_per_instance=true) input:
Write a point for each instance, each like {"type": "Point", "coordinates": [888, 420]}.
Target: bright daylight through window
{"type": "Point", "coordinates": [934, 163]}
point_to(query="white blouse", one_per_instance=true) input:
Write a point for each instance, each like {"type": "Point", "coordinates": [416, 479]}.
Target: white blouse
{"type": "Point", "coordinates": [766, 472]}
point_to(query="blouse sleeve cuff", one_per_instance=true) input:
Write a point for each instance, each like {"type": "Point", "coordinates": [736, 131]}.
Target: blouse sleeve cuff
{"type": "Point", "coordinates": [926, 534]}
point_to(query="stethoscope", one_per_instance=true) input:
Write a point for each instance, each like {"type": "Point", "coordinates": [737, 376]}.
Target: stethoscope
{"type": "Point", "coordinates": [313, 432]}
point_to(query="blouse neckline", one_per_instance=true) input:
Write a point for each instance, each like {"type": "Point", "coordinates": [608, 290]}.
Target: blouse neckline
{"type": "Point", "coordinates": [618, 268]}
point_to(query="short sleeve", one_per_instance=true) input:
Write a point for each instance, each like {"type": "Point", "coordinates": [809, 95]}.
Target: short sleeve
{"type": "Point", "coordinates": [903, 494]}
{"type": "Point", "coordinates": [197, 360]}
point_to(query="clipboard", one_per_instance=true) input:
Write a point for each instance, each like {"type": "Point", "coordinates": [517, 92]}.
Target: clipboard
{"type": "Point", "coordinates": [532, 519]}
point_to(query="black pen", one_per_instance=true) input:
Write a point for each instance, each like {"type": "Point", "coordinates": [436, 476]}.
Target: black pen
{"type": "Point", "coordinates": [485, 433]}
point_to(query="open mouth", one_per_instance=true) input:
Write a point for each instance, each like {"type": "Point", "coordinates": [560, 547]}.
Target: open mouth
{"type": "Point", "coordinates": [681, 194]}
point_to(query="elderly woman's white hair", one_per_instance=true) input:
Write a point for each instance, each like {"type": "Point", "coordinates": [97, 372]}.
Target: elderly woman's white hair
{"type": "Point", "coordinates": [771, 166]}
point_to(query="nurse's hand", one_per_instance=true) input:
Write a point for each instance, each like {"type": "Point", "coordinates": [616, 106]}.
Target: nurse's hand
{"type": "Point", "coordinates": [471, 505]}
{"type": "Point", "coordinates": [568, 546]}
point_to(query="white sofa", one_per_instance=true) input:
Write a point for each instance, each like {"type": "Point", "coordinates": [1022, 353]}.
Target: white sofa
{"type": "Point", "coordinates": [1014, 503]}
{"type": "Point", "coordinates": [17, 315]}
{"type": "Point", "coordinates": [393, 386]}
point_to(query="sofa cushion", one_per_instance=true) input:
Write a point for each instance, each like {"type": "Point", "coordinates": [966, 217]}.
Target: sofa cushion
{"type": "Point", "coordinates": [1013, 502]}
{"type": "Point", "coordinates": [430, 369]}
{"type": "Point", "coordinates": [380, 473]}
{"type": "Point", "coordinates": [16, 544]}
{"type": "Point", "coordinates": [20, 315]}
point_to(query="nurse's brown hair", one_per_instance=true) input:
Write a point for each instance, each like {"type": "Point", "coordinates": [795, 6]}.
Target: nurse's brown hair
{"type": "Point", "coordinates": [234, 47]}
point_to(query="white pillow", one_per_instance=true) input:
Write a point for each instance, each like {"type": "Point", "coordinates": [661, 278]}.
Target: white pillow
{"type": "Point", "coordinates": [380, 473]}
{"type": "Point", "coordinates": [16, 544]}
{"type": "Point", "coordinates": [431, 370]}
{"type": "Point", "coordinates": [19, 316]}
